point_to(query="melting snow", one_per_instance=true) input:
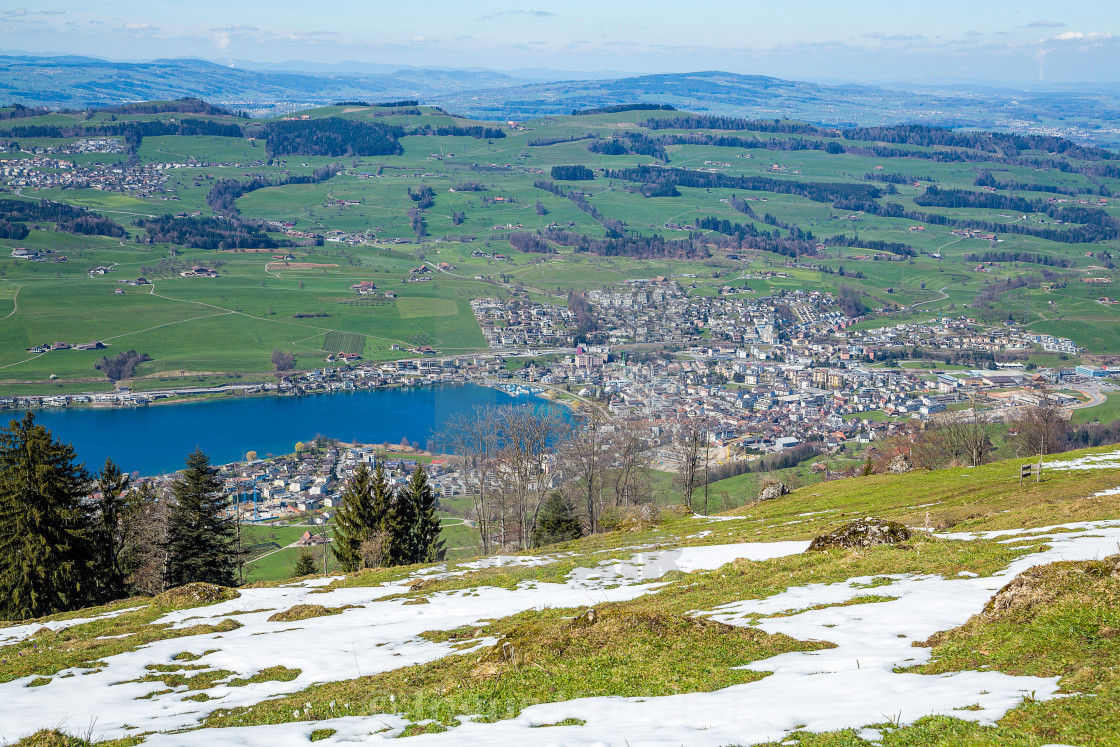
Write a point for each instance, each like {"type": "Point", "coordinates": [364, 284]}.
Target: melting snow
{"type": "Point", "coordinates": [376, 636]}
{"type": "Point", "coordinates": [17, 633]}
{"type": "Point", "coordinates": [1092, 461]}
{"type": "Point", "coordinates": [852, 685]}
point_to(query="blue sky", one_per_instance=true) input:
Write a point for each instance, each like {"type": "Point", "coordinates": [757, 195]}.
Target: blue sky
{"type": "Point", "coordinates": [861, 40]}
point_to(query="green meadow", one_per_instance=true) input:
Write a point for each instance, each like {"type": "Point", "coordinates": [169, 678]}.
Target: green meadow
{"type": "Point", "coordinates": [228, 326]}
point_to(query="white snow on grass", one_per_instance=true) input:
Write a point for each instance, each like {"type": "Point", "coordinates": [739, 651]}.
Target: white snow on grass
{"type": "Point", "coordinates": [1108, 460]}
{"type": "Point", "coordinates": [653, 565]}
{"type": "Point", "coordinates": [17, 633]}
{"type": "Point", "coordinates": [852, 685]}
{"type": "Point", "coordinates": [377, 635]}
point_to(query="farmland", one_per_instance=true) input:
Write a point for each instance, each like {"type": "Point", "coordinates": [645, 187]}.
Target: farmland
{"type": "Point", "coordinates": [369, 228]}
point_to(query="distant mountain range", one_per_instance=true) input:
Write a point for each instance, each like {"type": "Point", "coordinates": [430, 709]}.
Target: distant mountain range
{"type": "Point", "coordinates": [1083, 113]}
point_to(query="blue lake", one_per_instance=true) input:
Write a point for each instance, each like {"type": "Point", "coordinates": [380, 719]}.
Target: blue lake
{"type": "Point", "coordinates": [157, 438]}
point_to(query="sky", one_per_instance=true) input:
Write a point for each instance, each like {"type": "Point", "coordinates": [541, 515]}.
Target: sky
{"type": "Point", "coordinates": [939, 41]}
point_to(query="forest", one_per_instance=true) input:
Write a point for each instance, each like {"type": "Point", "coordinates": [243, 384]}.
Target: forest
{"type": "Point", "coordinates": [65, 217]}
{"type": "Point", "coordinates": [815, 191]}
{"type": "Point", "coordinates": [572, 173]}
{"type": "Point", "coordinates": [620, 108]}
{"type": "Point", "coordinates": [208, 233]}
{"type": "Point", "coordinates": [332, 137]}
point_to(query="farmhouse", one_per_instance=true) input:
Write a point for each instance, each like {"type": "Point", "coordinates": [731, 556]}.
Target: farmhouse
{"type": "Point", "coordinates": [200, 272]}
{"type": "Point", "coordinates": [364, 288]}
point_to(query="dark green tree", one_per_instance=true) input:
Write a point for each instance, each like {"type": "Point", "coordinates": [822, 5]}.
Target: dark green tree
{"type": "Point", "coordinates": [305, 565]}
{"type": "Point", "coordinates": [556, 522]}
{"type": "Point", "coordinates": [427, 547]}
{"type": "Point", "coordinates": [112, 529]}
{"type": "Point", "coordinates": [47, 549]}
{"type": "Point", "coordinates": [201, 542]}
{"type": "Point", "coordinates": [359, 523]}
{"type": "Point", "coordinates": [400, 527]}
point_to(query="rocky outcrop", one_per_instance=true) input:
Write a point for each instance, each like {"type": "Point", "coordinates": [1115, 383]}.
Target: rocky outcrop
{"type": "Point", "coordinates": [772, 491]}
{"type": "Point", "coordinates": [863, 533]}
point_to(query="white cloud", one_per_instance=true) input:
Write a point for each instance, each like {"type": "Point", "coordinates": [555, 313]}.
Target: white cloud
{"type": "Point", "coordinates": [221, 40]}
{"type": "Point", "coordinates": [1078, 35]}
{"type": "Point", "coordinates": [530, 13]}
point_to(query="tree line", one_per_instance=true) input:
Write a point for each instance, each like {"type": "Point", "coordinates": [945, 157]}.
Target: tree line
{"type": "Point", "coordinates": [1009, 144]}
{"type": "Point", "coordinates": [716, 122]}
{"type": "Point", "coordinates": [132, 131]}
{"type": "Point", "coordinates": [377, 526]}
{"type": "Point", "coordinates": [1034, 259]}
{"type": "Point", "coordinates": [630, 143]}
{"type": "Point", "coordinates": [987, 179]}
{"type": "Point", "coordinates": [476, 131]}
{"type": "Point", "coordinates": [383, 104]}
{"type": "Point", "coordinates": [798, 243]}
{"type": "Point", "coordinates": [69, 538]}
{"type": "Point", "coordinates": [542, 141]}
{"type": "Point", "coordinates": [203, 232]}
{"type": "Point", "coordinates": [575, 173]}
{"type": "Point", "coordinates": [620, 108]}
{"type": "Point", "coordinates": [815, 191]}
{"type": "Point", "coordinates": [185, 105]}
{"type": "Point", "coordinates": [332, 136]}
{"type": "Point", "coordinates": [892, 178]}
{"type": "Point", "coordinates": [636, 245]}
{"type": "Point", "coordinates": [66, 218]}
{"type": "Point", "coordinates": [222, 197]}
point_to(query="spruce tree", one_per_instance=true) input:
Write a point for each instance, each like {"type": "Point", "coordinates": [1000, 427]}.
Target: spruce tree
{"type": "Point", "coordinates": [400, 526]}
{"type": "Point", "coordinates": [201, 543]}
{"type": "Point", "coordinates": [351, 520]}
{"type": "Point", "coordinates": [48, 556]}
{"type": "Point", "coordinates": [556, 522]}
{"type": "Point", "coordinates": [305, 565]}
{"type": "Point", "coordinates": [111, 529]}
{"type": "Point", "coordinates": [359, 523]}
{"type": "Point", "coordinates": [427, 546]}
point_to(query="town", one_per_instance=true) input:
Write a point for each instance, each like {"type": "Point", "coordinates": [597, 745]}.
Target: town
{"type": "Point", "coordinates": [763, 374]}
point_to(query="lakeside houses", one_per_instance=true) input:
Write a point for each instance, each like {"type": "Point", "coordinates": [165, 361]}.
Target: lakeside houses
{"type": "Point", "coordinates": [758, 370]}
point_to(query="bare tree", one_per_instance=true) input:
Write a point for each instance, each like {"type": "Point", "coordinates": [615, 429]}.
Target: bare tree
{"type": "Point", "coordinates": [473, 439]}
{"type": "Point", "coordinates": [1043, 427]}
{"type": "Point", "coordinates": [630, 463]}
{"type": "Point", "coordinates": [527, 435]}
{"type": "Point", "coordinates": [583, 458]}
{"type": "Point", "coordinates": [688, 450]}
{"type": "Point", "coordinates": [964, 436]}
{"type": "Point", "coordinates": [283, 361]}
{"type": "Point", "coordinates": [145, 542]}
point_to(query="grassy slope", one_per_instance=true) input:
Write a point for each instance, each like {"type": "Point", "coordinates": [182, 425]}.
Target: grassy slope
{"type": "Point", "coordinates": [649, 645]}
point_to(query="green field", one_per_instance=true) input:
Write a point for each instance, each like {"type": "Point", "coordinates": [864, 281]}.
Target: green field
{"type": "Point", "coordinates": [228, 326]}
{"type": "Point", "coordinates": [1106, 412]}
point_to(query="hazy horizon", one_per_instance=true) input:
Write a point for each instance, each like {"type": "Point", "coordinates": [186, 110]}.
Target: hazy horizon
{"type": "Point", "coordinates": [994, 43]}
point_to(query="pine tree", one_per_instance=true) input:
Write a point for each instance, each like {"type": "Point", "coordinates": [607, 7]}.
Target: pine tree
{"type": "Point", "coordinates": [305, 565]}
{"type": "Point", "coordinates": [400, 527]}
{"type": "Point", "coordinates": [359, 523]}
{"type": "Point", "coordinates": [556, 522]}
{"type": "Point", "coordinates": [201, 543]}
{"type": "Point", "coordinates": [427, 546]}
{"type": "Point", "coordinates": [111, 530]}
{"type": "Point", "coordinates": [47, 552]}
